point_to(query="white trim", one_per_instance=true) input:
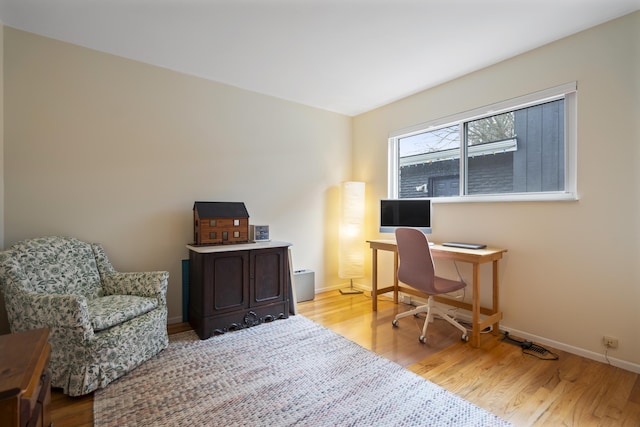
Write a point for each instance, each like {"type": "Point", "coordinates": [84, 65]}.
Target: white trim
{"type": "Point", "coordinates": [510, 197]}
{"type": "Point", "coordinates": [392, 175]}
{"type": "Point", "coordinates": [571, 142]}
{"type": "Point", "coordinates": [523, 101]}
{"type": "Point", "coordinates": [175, 319]}
{"type": "Point", "coordinates": [465, 315]}
{"type": "Point", "coordinates": [568, 91]}
{"type": "Point", "coordinates": [599, 357]}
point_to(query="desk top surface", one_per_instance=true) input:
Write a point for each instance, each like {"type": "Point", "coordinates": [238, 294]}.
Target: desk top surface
{"type": "Point", "coordinates": [390, 244]}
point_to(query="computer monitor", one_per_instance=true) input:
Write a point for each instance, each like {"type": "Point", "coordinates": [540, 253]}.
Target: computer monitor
{"type": "Point", "coordinates": [414, 213]}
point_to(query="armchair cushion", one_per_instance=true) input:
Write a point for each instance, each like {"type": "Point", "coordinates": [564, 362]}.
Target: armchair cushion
{"type": "Point", "coordinates": [112, 310]}
{"type": "Point", "coordinates": [147, 284]}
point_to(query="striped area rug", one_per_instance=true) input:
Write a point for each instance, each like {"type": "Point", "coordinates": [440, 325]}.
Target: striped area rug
{"type": "Point", "coordinates": [290, 372]}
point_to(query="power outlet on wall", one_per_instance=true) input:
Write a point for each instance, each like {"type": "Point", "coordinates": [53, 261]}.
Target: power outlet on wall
{"type": "Point", "coordinates": [610, 342]}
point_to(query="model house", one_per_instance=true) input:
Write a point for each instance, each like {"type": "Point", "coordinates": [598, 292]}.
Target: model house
{"type": "Point", "coordinates": [220, 223]}
{"type": "Point", "coordinates": [113, 150]}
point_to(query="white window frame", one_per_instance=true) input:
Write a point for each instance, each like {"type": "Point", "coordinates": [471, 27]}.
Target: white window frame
{"type": "Point", "coordinates": [567, 91]}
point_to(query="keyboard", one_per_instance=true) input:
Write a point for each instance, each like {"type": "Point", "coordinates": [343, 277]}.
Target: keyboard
{"type": "Point", "coordinates": [465, 245]}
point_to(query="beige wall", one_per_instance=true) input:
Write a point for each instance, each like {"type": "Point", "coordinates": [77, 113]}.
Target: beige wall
{"type": "Point", "coordinates": [3, 314]}
{"type": "Point", "coordinates": [1, 141]}
{"type": "Point", "coordinates": [115, 151]}
{"type": "Point", "coordinates": [571, 274]}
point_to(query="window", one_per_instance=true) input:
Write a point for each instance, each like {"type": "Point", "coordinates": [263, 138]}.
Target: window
{"type": "Point", "coordinates": [521, 149]}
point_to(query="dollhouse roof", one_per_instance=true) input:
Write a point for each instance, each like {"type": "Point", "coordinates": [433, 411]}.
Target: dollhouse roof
{"type": "Point", "coordinates": [220, 210]}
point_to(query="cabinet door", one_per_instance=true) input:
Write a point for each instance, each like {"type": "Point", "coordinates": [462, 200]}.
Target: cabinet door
{"type": "Point", "coordinates": [226, 282]}
{"type": "Point", "coordinates": [268, 268]}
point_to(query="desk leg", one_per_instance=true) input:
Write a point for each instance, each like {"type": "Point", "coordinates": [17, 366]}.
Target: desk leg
{"type": "Point", "coordinates": [475, 329]}
{"type": "Point", "coordinates": [496, 297]}
{"type": "Point", "coordinates": [374, 279]}
{"type": "Point", "coordinates": [395, 277]}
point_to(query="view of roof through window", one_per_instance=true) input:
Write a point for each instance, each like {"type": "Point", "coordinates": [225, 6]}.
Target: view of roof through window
{"type": "Point", "coordinates": [442, 139]}
{"type": "Point", "coordinates": [489, 129]}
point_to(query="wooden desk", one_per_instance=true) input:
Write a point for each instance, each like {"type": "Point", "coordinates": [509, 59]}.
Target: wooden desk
{"type": "Point", "coordinates": [472, 256]}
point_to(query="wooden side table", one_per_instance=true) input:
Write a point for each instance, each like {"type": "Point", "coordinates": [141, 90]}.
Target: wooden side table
{"type": "Point", "coordinates": [25, 384]}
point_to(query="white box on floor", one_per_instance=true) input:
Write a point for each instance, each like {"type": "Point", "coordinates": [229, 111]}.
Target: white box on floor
{"type": "Point", "coordinates": [304, 282]}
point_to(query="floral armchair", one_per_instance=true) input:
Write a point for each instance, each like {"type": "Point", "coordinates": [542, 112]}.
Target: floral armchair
{"type": "Point", "coordinates": [103, 323]}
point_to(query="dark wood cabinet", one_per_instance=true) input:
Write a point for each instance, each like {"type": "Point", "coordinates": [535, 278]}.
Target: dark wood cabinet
{"type": "Point", "coordinates": [237, 286]}
{"type": "Point", "coordinates": [25, 384]}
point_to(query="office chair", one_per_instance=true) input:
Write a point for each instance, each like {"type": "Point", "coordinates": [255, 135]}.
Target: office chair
{"type": "Point", "coordinates": [417, 270]}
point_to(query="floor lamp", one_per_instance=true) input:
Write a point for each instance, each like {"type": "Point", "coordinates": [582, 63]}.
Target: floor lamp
{"type": "Point", "coordinates": [351, 235]}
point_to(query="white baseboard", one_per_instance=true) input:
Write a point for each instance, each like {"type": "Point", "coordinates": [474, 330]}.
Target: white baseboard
{"type": "Point", "coordinates": [343, 286]}
{"type": "Point", "coordinates": [465, 315]}
{"type": "Point", "coordinates": [619, 363]}
{"type": "Point", "coordinates": [171, 320]}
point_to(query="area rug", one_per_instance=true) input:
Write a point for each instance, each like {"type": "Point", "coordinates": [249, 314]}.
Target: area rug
{"type": "Point", "coordinates": [291, 372]}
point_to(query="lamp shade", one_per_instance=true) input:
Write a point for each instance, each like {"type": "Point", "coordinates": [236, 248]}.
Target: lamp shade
{"type": "Point", "coordinates": [351, 233]}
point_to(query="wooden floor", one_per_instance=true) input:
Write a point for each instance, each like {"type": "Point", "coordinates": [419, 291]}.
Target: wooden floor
{"type": "Point", "coordinates": [527, 391]}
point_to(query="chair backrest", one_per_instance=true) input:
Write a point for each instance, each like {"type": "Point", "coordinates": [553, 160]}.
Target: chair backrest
{"type": "Point", "coordinates": [61, 265]}
{"type": "Point", "coordinates": [416, 267]}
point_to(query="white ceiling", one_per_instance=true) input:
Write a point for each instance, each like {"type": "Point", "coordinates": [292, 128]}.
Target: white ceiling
{"type": "Point", "coordinates": [347, 56]}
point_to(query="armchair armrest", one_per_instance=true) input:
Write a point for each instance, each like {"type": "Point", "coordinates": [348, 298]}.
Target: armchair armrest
{"type": "Point", "coordinates": [53, 311]}
{"type": "Point", "coordinates": [146, 284]}
{"type": "Point", "coordinates": [30, 310]}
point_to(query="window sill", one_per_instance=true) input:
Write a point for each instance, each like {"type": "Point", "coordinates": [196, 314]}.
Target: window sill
{"type": "Point", "coordinates": [511, 197]}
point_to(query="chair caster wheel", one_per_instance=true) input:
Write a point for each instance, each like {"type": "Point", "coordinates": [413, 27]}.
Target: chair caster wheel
{"type": "Point", "coordinates": [394, 322]}
{"type": "Point", "coordinates": [465, 337]}
{"type": "Point", "coordinates": [422, 339]}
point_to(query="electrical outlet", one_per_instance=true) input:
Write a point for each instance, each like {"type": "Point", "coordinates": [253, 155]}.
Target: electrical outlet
{"type": "Point", "coordinates": [610, 342]}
